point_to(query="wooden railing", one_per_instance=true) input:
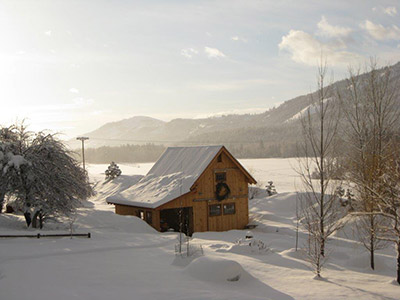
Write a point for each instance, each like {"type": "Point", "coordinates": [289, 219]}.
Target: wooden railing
{"type": "Point", "coordinates": [39, 235]}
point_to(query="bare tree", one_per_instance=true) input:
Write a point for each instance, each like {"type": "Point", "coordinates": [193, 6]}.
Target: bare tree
{"type": "Point", "coordinates": [387, 198]}
{"type": "Point", "coordinates": [389, 203]}
{"type": "Point", "coordinates": [319, 209]}
{"type": "Point", "coordinates": [371, 113]}
{"type": "Point", "coordinates": [71, 217]}
{"type": "Point", "coordinates": [314, 243]}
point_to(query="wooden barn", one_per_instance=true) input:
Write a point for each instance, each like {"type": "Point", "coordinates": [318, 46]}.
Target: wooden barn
{"type": "Point", "coordinates": [205, 187]}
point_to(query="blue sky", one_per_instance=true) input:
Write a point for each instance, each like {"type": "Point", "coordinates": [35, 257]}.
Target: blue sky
{"type": "Point", "coordinates": [71, 66]}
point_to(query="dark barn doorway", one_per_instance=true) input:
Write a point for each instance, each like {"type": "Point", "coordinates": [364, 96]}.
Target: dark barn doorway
{"type": "Point", "coordinates": [170, 220]}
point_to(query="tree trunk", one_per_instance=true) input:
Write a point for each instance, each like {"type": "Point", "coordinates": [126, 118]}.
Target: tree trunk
{"type": "Point", "coordinates": [28, 219]}
{"type": "Point", "coordinates": [41, 217]}
{"type": "Point", "coordinates": [1, 201]}
{"type": "Point", "coordinates": [372, 257]}
{"type": "Point", "coordinates": [323, 247]}
{"type": "Point", "coordinates": [372, 243]}
{"type": "Point", "coordinates": [35, 219]}
{"type": "Point", "coordinates": [398, 262]}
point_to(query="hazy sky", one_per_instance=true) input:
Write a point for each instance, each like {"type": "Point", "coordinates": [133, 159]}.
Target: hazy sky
{"type": "Point", "coordinates": [72, 66]}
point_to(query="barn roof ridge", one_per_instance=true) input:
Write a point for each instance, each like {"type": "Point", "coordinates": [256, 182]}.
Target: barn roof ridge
{"type": "Point", "coordinates": [200, 146]}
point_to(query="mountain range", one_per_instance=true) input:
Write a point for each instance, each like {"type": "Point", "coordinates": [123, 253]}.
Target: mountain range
{"type": "Point", "coordinates": [276, 125]}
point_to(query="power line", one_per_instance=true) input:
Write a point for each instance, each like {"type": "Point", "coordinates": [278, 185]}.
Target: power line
{"type": "Point", "coordinates": [176, 141]}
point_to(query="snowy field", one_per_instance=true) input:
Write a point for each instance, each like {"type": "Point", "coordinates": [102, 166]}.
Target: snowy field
{"type": "Point", "coordinates": [127, 259]}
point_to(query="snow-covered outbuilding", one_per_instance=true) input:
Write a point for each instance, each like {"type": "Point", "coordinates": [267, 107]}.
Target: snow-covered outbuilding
{"type": "Point", "coordinates": [206, 184]}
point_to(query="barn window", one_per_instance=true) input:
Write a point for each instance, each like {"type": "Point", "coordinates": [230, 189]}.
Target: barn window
{"type": "Point", "coordinates": [220, 177]}
{"type": "Point", "coordinates": [149, 217]}
{"type": "Point", "coordinates": [141, 214]}
{"type": "Point", "coordinates": [219, 159]}
{"type": "Point", "coordinates": [229, 209]}
{"type": "Point", "coordinates": [215, 210]}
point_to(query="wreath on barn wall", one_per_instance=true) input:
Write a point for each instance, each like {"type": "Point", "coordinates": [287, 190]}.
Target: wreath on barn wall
{"type": "Point", "coordinates": [222, 191]}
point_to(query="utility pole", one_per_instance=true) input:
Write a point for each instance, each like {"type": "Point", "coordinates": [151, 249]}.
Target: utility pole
{"type": "Point", "coordinates": [83, 139]}
{"type": "Point", "coordinates": [180, 213]}
{"type": "Point", "coordinates": [297, 222]}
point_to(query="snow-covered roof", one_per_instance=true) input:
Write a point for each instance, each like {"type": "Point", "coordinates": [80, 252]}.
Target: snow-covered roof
{"type": "Point", "coordinates": [171, 176]}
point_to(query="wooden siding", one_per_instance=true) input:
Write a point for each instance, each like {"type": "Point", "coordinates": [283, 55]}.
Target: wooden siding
{"type": "Point", "coordinates": [203, 195]}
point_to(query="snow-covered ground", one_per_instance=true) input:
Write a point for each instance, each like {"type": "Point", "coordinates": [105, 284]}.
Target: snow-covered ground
{"type": "Point", "coordinates": [127, 259]}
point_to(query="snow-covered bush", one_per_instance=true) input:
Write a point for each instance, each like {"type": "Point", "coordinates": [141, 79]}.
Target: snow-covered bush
{"type": "Point", "coordinates": [255, 190]}
{"type": "Point", "coordinates": [187, 249]}
{"type": "Point", "coordinates": [255, 245]}
{"type": "Point", "coordinates": [112, 171]}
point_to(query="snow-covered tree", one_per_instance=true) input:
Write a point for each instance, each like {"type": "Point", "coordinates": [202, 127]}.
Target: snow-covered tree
{"type": "Point", "coordinates": [39, 172]}
{"type": "Point", "coordinates": [112, 171]}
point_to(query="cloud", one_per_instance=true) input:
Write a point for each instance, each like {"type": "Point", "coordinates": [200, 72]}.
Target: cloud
{"type": "Point", "coordinates": [97, 112]}
{"type": "Point", "coordinates": [237, 39]}
{"type": "Point", "coordinates": [326, 29]}
{"type": "Point", "coordinates": [213, 53]}
{"type": "Point", "coordinates": [48, 33]}
{"type": "Point", "coordinates": [390, 11]}
{"type": "Point", "coordinates": [74, 91]}
{"type": "Point", "coordinates": [380, 32]}
{"type": "Point", "coordinates": [189, 52]}
{"type": "Point", "coordinates": [81, 102]}
{"type": "Point", "coordinates": [233, 84]}
{"type": "Point", "coordinates": [304, 48]}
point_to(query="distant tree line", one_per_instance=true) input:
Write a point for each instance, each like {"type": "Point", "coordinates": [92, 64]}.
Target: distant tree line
{"type": "Point", "coordinates": [123, 154]}
{"type": "Point", "coordinates": [243, 143]}
{"type": "Point", "coordinates": [256, 142]}
{"type": "Point", "coordinates": [263, 149]}
{"type": "Point", "coordinates": [151, 152]}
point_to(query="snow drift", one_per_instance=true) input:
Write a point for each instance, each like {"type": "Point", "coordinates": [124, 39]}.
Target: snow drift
{"type": "Point", "coordinates": [215, 269]}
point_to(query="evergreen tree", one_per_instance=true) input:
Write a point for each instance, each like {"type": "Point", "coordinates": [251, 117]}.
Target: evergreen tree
{"type": "Point", "coordinates": [112, 171]}
{"type": "Point", "coordinates": [270, 188]}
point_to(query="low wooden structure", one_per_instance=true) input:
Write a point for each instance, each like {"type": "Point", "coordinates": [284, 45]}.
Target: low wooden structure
{"type": "Point", "coordinates": [199, 188]}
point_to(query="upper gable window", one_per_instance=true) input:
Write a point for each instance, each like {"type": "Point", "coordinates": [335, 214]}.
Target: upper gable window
{"type": "Point", "coordinates": [220, 177]}
{"type": "Point", "coordinates": [219, 158]}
